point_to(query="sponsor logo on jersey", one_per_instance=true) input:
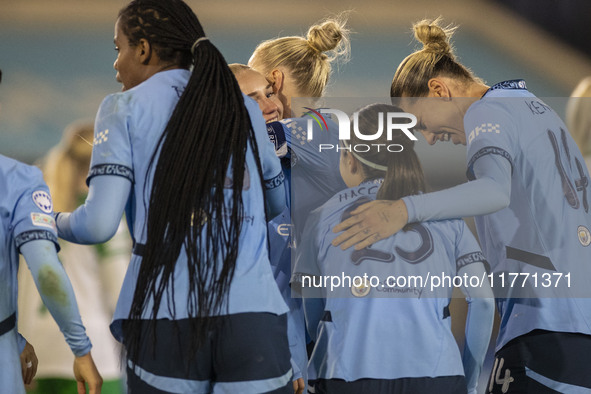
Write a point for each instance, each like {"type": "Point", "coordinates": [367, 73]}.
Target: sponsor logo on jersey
{"type": "Point", "coordinates": [484, 128]}
{"type": "Point", "coordinates": [102, 136]}
{"type": "Point", "coordinates": [584, 236]}
{"type": "Point", "coordinates": [42, 220]}
{"type": "Point", "coordinates": [43, 200]}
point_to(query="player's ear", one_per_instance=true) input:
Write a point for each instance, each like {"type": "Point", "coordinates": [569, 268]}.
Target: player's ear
{"type": "Point", "coordinates": [276, 77]}
{"type": "Point", "coordinates": [438, 88]}
{"type": "Point", "coordinates": [144, 51]}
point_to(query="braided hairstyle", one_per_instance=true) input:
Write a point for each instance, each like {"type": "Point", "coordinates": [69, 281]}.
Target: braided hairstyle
{"type": "Point", "coordinates": [204, 144]}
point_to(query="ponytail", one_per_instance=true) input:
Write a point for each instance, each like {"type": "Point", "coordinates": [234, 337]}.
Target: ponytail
{"type": "Point", "coordinates": [204, 142]}
{"type": "Point", "coordinates": [436, 58]}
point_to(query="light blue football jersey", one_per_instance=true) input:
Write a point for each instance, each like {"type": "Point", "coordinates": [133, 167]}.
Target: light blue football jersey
{"type": "Point", "coordinates": [312, 177]}
{"type": "Point", "coordinates": [382, 332]}
{"type": "Point", "coordinates": [127, 128]}
{"type": "Point", "coordinates": [545, 229]}
{"type": "Point", "coordinates": [26, 215]}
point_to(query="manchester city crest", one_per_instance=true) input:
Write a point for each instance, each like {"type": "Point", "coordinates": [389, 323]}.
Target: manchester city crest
{"type": "Point", "coordinates": [362, 289]}
{"type": "Point", "coordinates": [584, 235]}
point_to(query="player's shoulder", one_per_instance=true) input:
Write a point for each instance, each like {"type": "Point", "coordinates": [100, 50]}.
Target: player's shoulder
{"type": "Point", "coordinates": [448, 228]}
{"type": "Point", "coordinates": [14, 169]}
{"type": "Point", "coordinates": [18, 178]}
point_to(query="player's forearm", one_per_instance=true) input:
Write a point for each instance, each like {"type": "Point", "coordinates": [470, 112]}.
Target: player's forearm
{"type": "Point", "coordinates": [56, 292]}
{"type": "Point", "coordinates": [488, 193]}
{"type": "Point", "coordinates": [478, 330]}
{"type": "Point", "coordinates": [97, 220]}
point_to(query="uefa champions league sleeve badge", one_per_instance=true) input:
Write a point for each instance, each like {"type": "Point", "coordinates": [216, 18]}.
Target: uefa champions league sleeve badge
{"type": "Point", "coordinates": [43, 200]}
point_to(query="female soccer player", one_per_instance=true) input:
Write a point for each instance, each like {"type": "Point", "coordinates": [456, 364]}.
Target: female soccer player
{"type": "Point", "coordinates": [255, 86]}
{"type": "Point", "coordinates": [375, 339]}
{"type": "Point", "coordinates": [529, 191]}
{"type": "Point", "coordinates": [96, 274]}
{"type": "Point", "coordinates": [179, 151]}
{"type": "Point", "coordinates": [28, 228]}
{"type": "Point", "coordinates": [299, 67]}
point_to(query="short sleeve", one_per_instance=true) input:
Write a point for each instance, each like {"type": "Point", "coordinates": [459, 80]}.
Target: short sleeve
{"type": "Point", "coordinates": [32, 217]}
{"type": "Point", "coordinates": [111, 152]}
{"type": "Point", "coordinates": [467, 250]}
{"type": "Point", "coordinates": [490, 130]}
{"type": "Point", "coordinates": [270, 163]}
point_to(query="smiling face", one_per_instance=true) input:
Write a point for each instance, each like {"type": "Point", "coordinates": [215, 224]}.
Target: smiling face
{"type": "Point", "coordinates": [254, 85]}
{"type": "Point", "coordinates": [438, 119]}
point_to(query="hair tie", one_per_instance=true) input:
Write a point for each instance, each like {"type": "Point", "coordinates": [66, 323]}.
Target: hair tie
{"type": "Point", "coordinates": [196, 43]}
{"type": "Point", "coordinates": [368, 163]}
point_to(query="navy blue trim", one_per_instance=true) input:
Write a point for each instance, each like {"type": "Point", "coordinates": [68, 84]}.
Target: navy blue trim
{"type": "Point", "coordinates": [7, 324]}
{"type": "Point", "coordinates": [446, 312]}
{"type": "Point", "coordinates": [139, 249]}
{"type": "Point", "coordinates": [34, 235]}
{"type": "Point", "coordinates": [275, 181]}
{"type": "Point", "coordinates": [110, 169]}
{"type": "Point", "coordinates": [487, 150]}
{"type": "Point", "coordinates": [327, 317]}
{"type": "Point", "coordinates": [276, 134]}
{"type": "Point", "coordinates": [537, 260]}
{"type": "Point", "coordinates": [257, 339]}
{"type": "Point", "coordinates": [470, 258]}
{"type": "Point", "coordinates": [515, 84]}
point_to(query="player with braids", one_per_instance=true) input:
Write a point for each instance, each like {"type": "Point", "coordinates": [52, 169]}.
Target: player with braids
{"type": "Point", "coordinates": [530, 193]}
{"type": "Point", "coordinates": [185, 154]}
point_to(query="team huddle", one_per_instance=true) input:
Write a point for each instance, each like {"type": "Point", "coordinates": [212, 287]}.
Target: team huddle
{"type": "Point", "coordinates": [234, 219]}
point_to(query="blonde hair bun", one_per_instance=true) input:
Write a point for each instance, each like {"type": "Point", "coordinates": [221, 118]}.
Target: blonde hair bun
{"type": "Point", "coordinates": [325, 37]}
{"type": "Point", "coordinates": [435, 38]}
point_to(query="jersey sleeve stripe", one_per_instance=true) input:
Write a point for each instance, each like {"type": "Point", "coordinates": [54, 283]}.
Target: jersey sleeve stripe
{"type": "Point", "coordinates": [275, 181]}
{"type": "Point", "coordinates": [469, 258]}
{"type": "Point", "coordinates": [487, 150]}
{"type": "Point", "coordinates": [33, 235]}
{"type": "Point", "coordinates": [110, 169]}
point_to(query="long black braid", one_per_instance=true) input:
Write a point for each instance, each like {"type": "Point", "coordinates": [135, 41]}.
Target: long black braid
{"type": "Point", "coordinates": [205, 139]}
